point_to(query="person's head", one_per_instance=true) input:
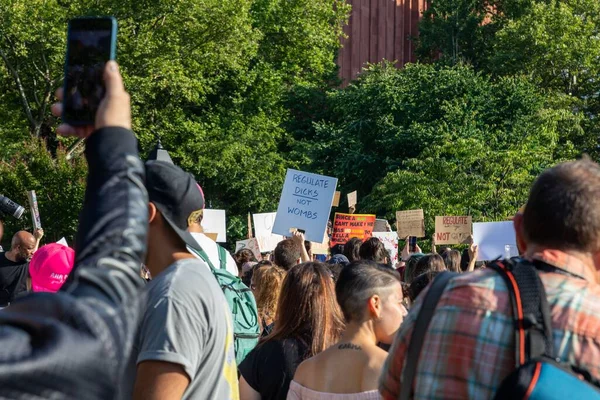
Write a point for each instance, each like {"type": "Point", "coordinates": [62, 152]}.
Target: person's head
{"type": "Point", "coordinates": [266, 285]}
{"type": "Point", "coordinates": [173, 195]}
{"type": "Point", "coordinates": [286, 254]}
{"type": "Point", "coordinates": [308, 247]}
{"type": "Point", "coordinates": [242, 257]}
{"type": "Point", "coordinates": [247, 275]}
{"type": "Point", "coordinates": [425, 263]}
{"type": "Point", "coordinates": [336, 264]}
{"type": "Point", "coordinates": [307, 308]}
{"type": "Point", "coordinates": [452, 260]}
{"type": "Point", "coordinates": [373, 250]}
{"type": "Point", "coordinates": [337, 249]}
{"type": "Point", "coordinates": [195, 221]}
{"type": "Point", "coordinates": [50, 266]}
{"type": "Point", "coordinates": [371, 294]}
{"type": "Point", "coordinates": [563, 212]}
{"type": "Point", "coordinates": [22, 246]}
{"type": "Point", "coordinates": [420, 283]}
{"type": "Point", "coordinates": [352, 249]}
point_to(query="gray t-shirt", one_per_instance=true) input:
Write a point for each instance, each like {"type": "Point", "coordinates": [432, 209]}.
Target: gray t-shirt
{"type": "Point", "coordinates": [188, 322]}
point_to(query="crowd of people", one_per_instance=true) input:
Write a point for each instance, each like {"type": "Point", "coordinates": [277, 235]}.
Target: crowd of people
{"type": "Point", "coordinates": [148, 307]}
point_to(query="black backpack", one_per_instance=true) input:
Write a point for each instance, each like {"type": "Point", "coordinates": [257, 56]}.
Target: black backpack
{"type": "Point", "coordinates": [538, 373]}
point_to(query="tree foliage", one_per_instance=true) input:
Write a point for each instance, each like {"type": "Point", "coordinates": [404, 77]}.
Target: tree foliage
{"type": "Point", "coordinates": [212, 78]}
{"type": "Point", "coordinates": [446, 139]}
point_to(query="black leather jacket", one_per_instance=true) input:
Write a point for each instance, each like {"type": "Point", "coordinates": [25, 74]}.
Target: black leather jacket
{"type": "Point", "coordinates": [76, 344]}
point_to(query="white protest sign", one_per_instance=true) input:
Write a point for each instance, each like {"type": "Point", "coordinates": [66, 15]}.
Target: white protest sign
{"type": "Point", "coordinates": [492, 239]}
{"type": "Point", "coordinates": [250, 244]}
{"type": "Point", "coordinates": [214, 221]}
{"type": "Point", "coordinates": [390, 241]}
{"type": "Point", "coordinates": [35, 213]}
{"type": "Point", "coordinates": [352, 199]}
{"type": "Point", "coordinates": [305, 204]}
{"type": "Point", "coordinates": [263, 228]}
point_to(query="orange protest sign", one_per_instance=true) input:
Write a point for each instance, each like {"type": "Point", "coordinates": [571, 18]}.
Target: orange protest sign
{"type": "Point", "coordinates": [348, 226]}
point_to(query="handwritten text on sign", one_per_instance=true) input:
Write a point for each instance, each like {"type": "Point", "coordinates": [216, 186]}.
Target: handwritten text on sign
{"type": "Point", "coordinates": [348, 226]}
{"type": "Point", "coordinates": [452, 230]}
{"type": "Point", "coordinates": [305, 204]}
{"type": "Point", "coordinates": [410, 223]}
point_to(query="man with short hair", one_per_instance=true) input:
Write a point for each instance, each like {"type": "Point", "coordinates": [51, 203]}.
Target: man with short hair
{"type": "Point", "coordinates": [207, 244]}
{"type": "Point", "coordinates": [14, 265]}
{"type": "Point", "coordinates": [185, 347]}
{"type": "Point", "coordinates": [470, 345]}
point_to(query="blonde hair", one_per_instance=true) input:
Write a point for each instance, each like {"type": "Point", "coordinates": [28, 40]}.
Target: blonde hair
{"type": "Point", "coordinates": [268, 281]}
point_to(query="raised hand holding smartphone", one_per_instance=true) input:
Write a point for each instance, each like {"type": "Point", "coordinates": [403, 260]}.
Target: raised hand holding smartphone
{"type": "Point", "coordinates": [91, 43]}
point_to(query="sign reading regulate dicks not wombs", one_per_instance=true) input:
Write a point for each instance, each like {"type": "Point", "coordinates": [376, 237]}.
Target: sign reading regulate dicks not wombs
{"type": "Point", "coordinates": [305, 204]}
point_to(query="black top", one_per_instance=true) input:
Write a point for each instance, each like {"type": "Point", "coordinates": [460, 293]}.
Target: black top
{"type": "Point", "coordinates": [271, 366]}
{"type": "Point", "coordinates": [13, 279]}
{"type": "Point", "coordinates": [76, 343]}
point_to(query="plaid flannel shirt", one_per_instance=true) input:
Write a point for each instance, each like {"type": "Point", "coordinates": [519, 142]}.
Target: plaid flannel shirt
{"type": "Point", "coordinates": [470, 346]}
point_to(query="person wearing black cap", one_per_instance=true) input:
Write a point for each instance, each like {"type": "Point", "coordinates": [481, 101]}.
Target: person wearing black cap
{"type": "Point", "coordinates": [185, 344]}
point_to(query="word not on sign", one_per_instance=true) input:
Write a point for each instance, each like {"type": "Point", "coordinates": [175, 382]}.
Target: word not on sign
{"type": "Point", "coordinates": [452, 230]}
{"type": "Point", "coordinates": [305, 204]}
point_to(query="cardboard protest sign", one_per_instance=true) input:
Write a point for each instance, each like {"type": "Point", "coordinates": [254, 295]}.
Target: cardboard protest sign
{"type": "Point", "coordinates": [493, 239]}
{"type": "Point", "coordinates": [352, 199]}
{"type": "Point", "coordinates": [35, 213]}
{"type": "Point", "coordinates": [452, 230]}
{"type": "Point", "coordinates": [214, 221]}
{"type": "Point", "coordinates": [410, 223]}
{"type": "Point", "coordinates": [390, 241]}
{"type": "Point", "coordinates": [347, 226]}
{"type": "Point", "coordinates": [336, 199]}
{"type": "Point", "coordinates": [305, 204]}
{"type": "Point", "coordinates": [322, 247]}
{"type": "Point", "coordinates": [250, 244]}
{"type": "Point", "coordinates": [382, 225]}
{"type": "Point", "coordinates": [263, 228]}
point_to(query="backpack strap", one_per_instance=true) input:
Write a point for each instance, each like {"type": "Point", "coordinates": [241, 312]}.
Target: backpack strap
{"type": "Point", "coordinates": [202, 254]}
{"type": "Point", "coordinates": [417, 337]}
{"type": "Point", "coordinates": [533, 330]}
{"type": "Point", "coordinates": [222, 257]}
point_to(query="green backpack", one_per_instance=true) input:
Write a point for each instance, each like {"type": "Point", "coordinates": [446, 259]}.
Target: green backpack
{"type": "Point", "coordinates": [242, 304]}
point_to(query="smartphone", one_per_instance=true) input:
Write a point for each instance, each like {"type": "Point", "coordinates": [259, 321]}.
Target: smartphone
{"type": "Point", "coordinates": [91, 42]}
{"type": "Point", "coordinates": [412, 244]}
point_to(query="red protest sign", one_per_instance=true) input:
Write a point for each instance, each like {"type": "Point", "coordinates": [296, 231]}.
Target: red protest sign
{"type": "Point", "coordinates": [347, 226]}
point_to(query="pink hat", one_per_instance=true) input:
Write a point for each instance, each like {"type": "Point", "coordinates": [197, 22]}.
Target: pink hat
{"type": "Point", "coordinates": [50, 266]}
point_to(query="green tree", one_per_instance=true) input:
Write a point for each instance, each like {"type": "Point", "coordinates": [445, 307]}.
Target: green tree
{"type": "Point", "coordinates": [59, 184]}
{"type": "Point", "coordinates": [443, 138]}
{"type": "Point", "coordinates": [212, 78]}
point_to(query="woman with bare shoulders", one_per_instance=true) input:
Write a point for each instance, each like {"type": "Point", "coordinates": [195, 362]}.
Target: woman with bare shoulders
{"type": "Point", "coordinates": [370, 297]}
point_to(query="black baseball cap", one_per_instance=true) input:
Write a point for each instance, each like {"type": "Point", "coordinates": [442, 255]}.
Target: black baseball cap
{"type": "Point", "coordinates": [175, 194]}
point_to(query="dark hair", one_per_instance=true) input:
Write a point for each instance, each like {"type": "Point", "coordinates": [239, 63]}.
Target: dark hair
{"type": "Point", "coordinates": [243, 256]}
{"type": "Point", "coordinates": [337, 249]}
{"type": "Point", "coordinates": [307, 308]}
{"type": "Point", "coordinates": [352, 249]}
{"type": "Point", "coordinates": [358, 282]}
{"type": "Point", "coordinates": [374, 250]}
{"type": "Point", "coordinates": [452, 260]}
{"type": "Point", "coordinates": [286, 254]}
{"type": "Point", "coordinates": [563, 210]}
{"type": "Point", "coordinates": [308, 247]}
{"type": "Point", "coordinates": [430, 262]}
{"type": "Point", "coordinates": [420, 283]}
{"type": "Point", "coordinates": [247, 278]}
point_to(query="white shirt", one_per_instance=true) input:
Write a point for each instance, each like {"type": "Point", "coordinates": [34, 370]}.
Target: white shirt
{"type": "Point", "coordinates": [212, 251]}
